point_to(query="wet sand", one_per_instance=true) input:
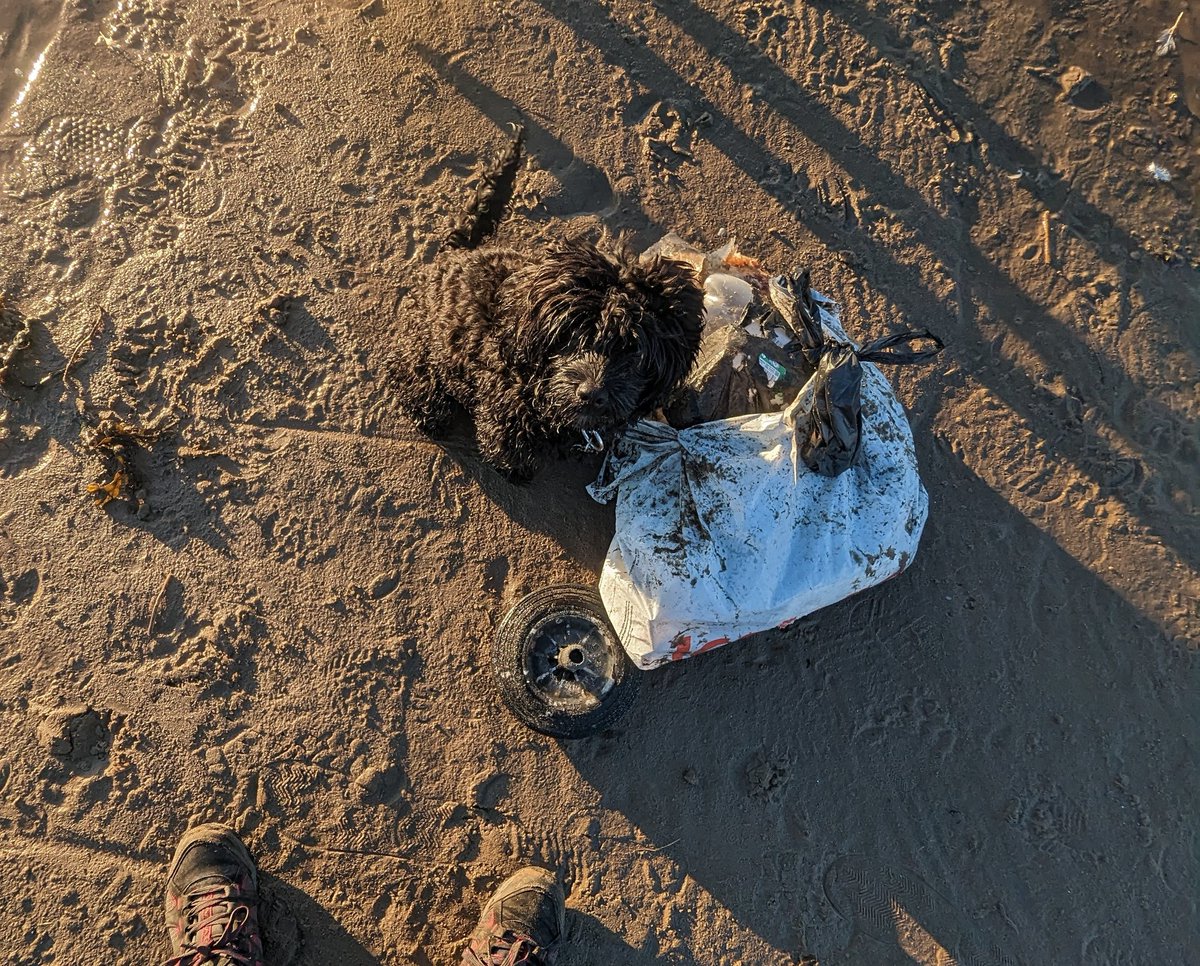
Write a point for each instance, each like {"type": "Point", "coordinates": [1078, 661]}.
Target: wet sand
{"type": "Point", "coordinates": [207, 215]}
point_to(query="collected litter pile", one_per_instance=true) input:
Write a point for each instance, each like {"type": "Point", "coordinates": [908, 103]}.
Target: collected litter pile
{"type": "Point", "coordinates": [784, 480]}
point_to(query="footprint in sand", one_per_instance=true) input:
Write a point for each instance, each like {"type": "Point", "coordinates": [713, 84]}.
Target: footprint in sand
{"type": "Point", "coordinates": [79, 737]}
{"type": "Point", "coordinates": [16, 593]}
{"type": "Point", "coordinates": [666, 131]}
{"type": "Point", "coordinates": [141, 25]}
{"type": "Point", "coordinates": [895, 905]}
{"type": "Point", "coordinates": [65, 150]}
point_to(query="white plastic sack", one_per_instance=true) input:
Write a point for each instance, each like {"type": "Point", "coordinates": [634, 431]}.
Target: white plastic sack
{"type": "Point", "coordinates": [722, 530]}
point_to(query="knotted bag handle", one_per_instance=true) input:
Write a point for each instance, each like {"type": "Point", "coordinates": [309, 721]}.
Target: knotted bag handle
{"type": "Point", "coordinates": [877, 350]}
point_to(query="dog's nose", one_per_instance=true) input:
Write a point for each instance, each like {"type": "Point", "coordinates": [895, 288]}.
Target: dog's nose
{"type": "Point", "coordinates": [590, 394]}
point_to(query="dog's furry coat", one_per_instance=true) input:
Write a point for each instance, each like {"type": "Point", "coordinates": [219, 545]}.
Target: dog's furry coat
{"type": "Point", "coordinates": [541, 347]}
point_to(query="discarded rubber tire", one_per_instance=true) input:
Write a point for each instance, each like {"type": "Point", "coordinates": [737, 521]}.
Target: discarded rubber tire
{"type": "Point", "coordinates": [559, 665]}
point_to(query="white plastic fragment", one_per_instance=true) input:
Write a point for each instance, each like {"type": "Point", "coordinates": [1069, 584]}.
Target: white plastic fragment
{"type": "Point", "coordinates": [672, 246]}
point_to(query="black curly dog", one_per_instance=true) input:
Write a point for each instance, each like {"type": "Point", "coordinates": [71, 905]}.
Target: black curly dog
{"type": "Point", "coordinates": [546, 350]}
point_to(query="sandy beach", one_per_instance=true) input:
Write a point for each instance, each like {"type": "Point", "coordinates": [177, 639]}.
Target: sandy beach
{"type": "Point", "coordinates": [208, 213]}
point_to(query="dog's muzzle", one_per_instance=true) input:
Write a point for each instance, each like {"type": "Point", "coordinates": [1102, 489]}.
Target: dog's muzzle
{"type": "Point", "coordinates": [593, 395]}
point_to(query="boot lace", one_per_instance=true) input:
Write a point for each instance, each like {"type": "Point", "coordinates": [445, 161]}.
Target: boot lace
{"type": "Point", "coordinates": [517, 950]}
{"type": "Point", "coordinates": [224, 908]}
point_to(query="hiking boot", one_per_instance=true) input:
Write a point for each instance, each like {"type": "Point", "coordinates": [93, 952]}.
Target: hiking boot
{"type": "Point", "coordinates": [212, 901]}
{"type": "Point", "coordinates": [523, 922]}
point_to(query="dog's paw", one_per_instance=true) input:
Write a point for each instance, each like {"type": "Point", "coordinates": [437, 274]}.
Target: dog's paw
{"type": "Point", "coordinates": [517, 476]}
{"type": "Point", "coordinates": [516, 464]}
{"type": "Point", "coordinates": [518, 472]}
{"type": "Point", "coordinates": [429, 423]}
{"type": "Point", "coordinates": [428, 411]}
{"type": "Point", "coordinates": [505, 447]}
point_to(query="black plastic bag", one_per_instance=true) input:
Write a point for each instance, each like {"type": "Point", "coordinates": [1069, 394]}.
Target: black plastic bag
{"type": "Point", "coordinates": [829, 442]}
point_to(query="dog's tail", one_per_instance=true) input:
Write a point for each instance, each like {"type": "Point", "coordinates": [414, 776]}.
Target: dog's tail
{"type": "Point", "coordinates": [483, 215]}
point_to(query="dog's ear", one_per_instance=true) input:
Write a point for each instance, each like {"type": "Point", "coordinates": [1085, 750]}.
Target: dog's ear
{"type": "Point", "coordinates": [672, 321]}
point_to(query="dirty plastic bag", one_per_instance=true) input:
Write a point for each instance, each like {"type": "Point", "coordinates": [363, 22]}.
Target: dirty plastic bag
{"type": "Point", "coordinates": [736, 374]}
{"type": "Point", "coordinates": [726, 298]}
{"type": "Point", "coordinates": [723, 531]}
{"type": "Point", "coordinates": [833, 432]}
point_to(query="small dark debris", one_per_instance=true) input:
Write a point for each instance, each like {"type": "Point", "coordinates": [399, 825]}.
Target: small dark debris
{"type": "Point", "coordinates": [1082, 89]}
{"type": "Point", "coordinates": [115, 442]}
{"type": "Point", "coordinates": [284, 111]}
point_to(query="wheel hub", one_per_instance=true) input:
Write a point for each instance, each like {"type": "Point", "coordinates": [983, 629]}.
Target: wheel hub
{"type": "Point", "coordinates": [568, 661]}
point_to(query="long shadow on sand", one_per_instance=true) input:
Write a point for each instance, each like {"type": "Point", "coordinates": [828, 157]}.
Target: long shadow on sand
{"type": "Point", "coordinates": [586, 188]}
{"type": "Point", "coordinates": [1101, 229]}
{"type": "Point", "coordinates": [297, 929]}
{"type": "Point", "coordinates": [961, 737]}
